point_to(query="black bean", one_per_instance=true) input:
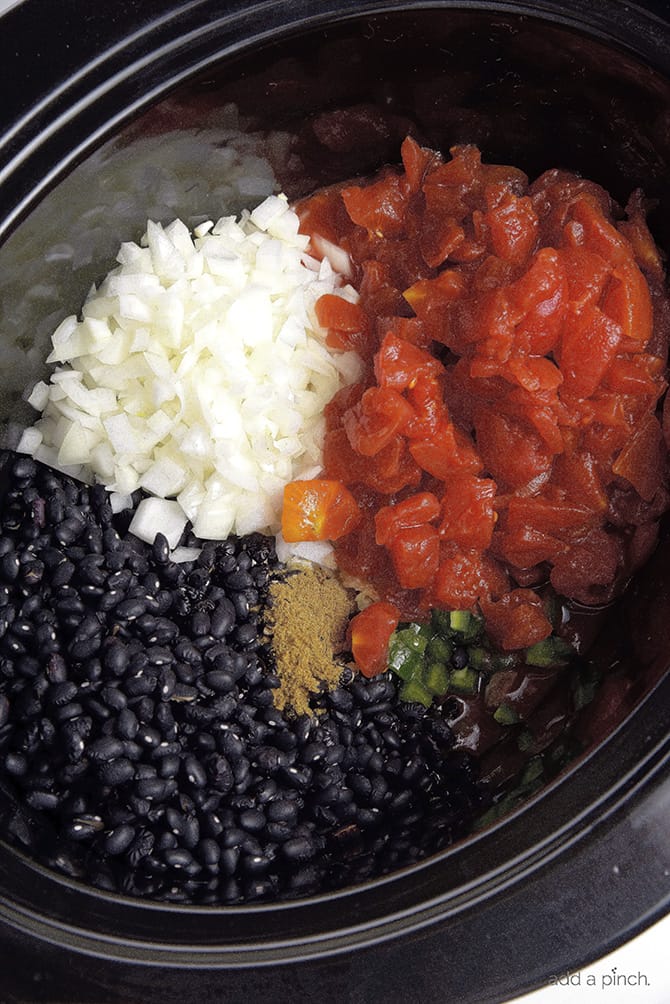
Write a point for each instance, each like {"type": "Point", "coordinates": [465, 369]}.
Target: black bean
{"type": "Point", "coordinates": [222, 619]}
{"type": "Point", "coordinates": [130, 609]}
{"type": "Point", "coordinates": [117, 772]}
{"type": "Point", "coordinates": [43, 800]}
{"type": "Point", "coordinates": [169, 765]}
{"type": "Point", "coordinates": [16, 764]}
{"type": "Point", "coordinates": [459, 658]}
{"type": "Point", "coordinates": [63, 692]}
{"type": "Point", "coordinates": [230, 857]}
{"type": "Point", "coordinates": [165, 749]}
{"type": "Point", "coordinates": [296, 777]}
{"type": "Point", "coordinates": [299, 849]}
{"type": "Point", "coordinates": [83, 828]}
{"type": "Point", "coordinates": [24, 467]}
{"type": "Point", "coordinates": [106, 748]}
{"type": "Point", "coordinates": [114, 698]}
{"type": "Point", "coordinates": [142, 684]}
{"type": "Point", "coordinates": [241, 607]}
{"type": "Point", "coordinates": [195, 772]}
{"type": "Point", "coordinates": [181, 858]}
{"type": "Point", "coordinates": [119, 839]}
{"type": "Point", "coordinates": [9, 566]}
{"type": "Point", "coordinates": [160, 549]}
{"type": "Point", "coordinates": [141, 846]}
{"type": "Point", "coordinates": [252, 820]}
{"type": "Point", "coordinates": [127, 724]}
{"type": "Point", "coordinates": [68, 711]}
{"type": "Point", "coordinates": [209, 853]}
{"type": "Point", "coordinates": [148, 736]}
{"type": "Point", "coordinates": [152, 788]}
{"type": "Point", "coordinates": [98, 709]}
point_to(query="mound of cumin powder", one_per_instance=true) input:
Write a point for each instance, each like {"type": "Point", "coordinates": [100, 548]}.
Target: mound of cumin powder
{"type": "Point", "coordinates": [308, 613]}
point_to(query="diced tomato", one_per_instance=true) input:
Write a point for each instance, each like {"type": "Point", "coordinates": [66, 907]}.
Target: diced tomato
{"type": "Point", "coordinates": [524, 547]}
{"type": "Point", "coordinates": [577, 474]}
{"type": "Point", "coordinates": [369, 635]}
{"type": "Point", "coordinates": [415, 551]}
{"type": "Point", "coordinates": [468, 513]}
{"type": "Point", "coordinates": [636, 231]}
{"type": "Point", "coordinates": [628, 302]}
{"type": "Point", "coordinates": [587, 571]}
{"type": "Point", "coordinates": [597, 234]}
{"type": "Point", "coordinates": [410, 329]}
{"type": "Point", "coordinates": [441, 232]}
{"type": "Point", "coordinates": [587, 275]}
{"type": "Point", "coordinates": [377, 290]}
{"type": "Point", "coordinates": [380, 206]}
{"type": "Point", "coordinates": [393, 469]}
{"type": "Point", "coordinates": [639, 374]}
{"type": "Point", "coordinates": [324, 213]}
{"type": "Point", "coordinates": [643, 461]}
{"type": "Point", "coordinates": [346, 322]}
{"type": "Point", "coordinates": [334, 311]}
{"type": "Point", "coordinates": [417, 161]}
{"type": "Point", "coordinates": [537, 374]}
{"type": "Point", "coordinates": [511, 452]}
{"type": "Point", "coordinates": [484, 321]}
{"type": "Point", "coordinates": [539, 296]}
{"type": "Point", "coordinates": [374, 422]}
{"type": "Point", "coordinates": [416, 510]}
{"type": "Point", "coordinates": [431, 299]}
{"type": "Point", "coordinates": [426, 397]}
{"type": "Point", "coordinates": [318, 510]}
{"type": "Point", "coordinates": [398, 363]}
{"type": "Point", "coordinates": [446, 453]}
{"type": "Point", "coordinates": [550, 516]}
{"type": "Point", "coordinates": [390, 470]}
{"type": "Point", "coordinates": [513, 224]}
{"type": "Point", "coordinates": [458, 583]}
{"type": "Point", "coordinates": [589, 344]}
{"type": "Point", "coordinates": [517, 620]}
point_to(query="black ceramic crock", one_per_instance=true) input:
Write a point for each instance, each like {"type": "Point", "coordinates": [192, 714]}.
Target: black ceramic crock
{"type": "Point", "coordinates": [586, 864]}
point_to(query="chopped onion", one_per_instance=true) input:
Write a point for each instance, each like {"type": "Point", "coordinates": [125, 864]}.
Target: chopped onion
{"type": "Point", "coordinates": [153, 515]}
{"type": "Point", "coordinates": [198, 372]}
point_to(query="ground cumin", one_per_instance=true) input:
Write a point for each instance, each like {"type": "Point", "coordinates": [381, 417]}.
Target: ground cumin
{"type": "Point", "coordinates": [308, 616]}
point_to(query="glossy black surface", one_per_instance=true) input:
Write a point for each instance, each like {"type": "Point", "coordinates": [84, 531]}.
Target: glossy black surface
{"type": "Point", "coordinates": [587, 864]}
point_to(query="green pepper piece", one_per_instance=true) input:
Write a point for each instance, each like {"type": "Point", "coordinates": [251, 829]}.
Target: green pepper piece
{"type": "Point", "coordinates": [463, 681]}
{"type": "Point", "coordinates": [436, 678]}
{"type": "Point", "coordinates": [467, 624]}
{"type": "Point", "coordinates": [441, 622]}
{"type": "Point", "coordinates": [480, 658]}
{"type": "Point", "coordinates": [406, 645]}
{"type": "Point", "coordinates": [412, 665]}
{"type": "Point", "coordinates": [459, 620]}
{"type": "Point", "coordinates": [534, 770]}
{"type": "Point", "coordinates": [505, 715]}
{"type": "Point", "coordinates": [415, 693]}
{"type": "Point", "coordinates": [525, 741]}
{"type": "Point", "coordinates": [550, 652]}
{"type": "Point", "coordinates": [439, 649]}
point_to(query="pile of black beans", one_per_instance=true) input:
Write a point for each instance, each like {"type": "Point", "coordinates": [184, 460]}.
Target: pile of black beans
{"type": "Point", "coordinates": [140, 749]}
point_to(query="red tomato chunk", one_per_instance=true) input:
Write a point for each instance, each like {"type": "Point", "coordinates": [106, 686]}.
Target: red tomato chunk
{"type": "Point", "coordinates": [505, 437]}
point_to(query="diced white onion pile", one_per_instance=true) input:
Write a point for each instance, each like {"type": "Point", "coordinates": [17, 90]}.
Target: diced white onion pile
{"type": "Point", "coordinates": [197, 372]}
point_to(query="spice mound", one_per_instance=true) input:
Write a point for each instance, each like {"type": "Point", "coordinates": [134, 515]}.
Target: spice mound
{"type": "Point", "coordinates": [308, 615]}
